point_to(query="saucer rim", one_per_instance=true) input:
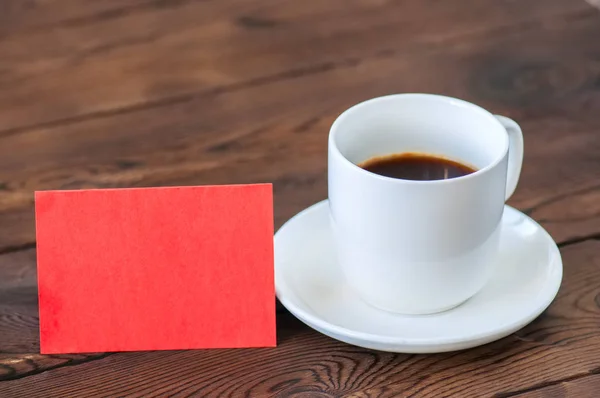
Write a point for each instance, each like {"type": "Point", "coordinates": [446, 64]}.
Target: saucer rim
{"type": "Point", "coordinates": [550, 291]}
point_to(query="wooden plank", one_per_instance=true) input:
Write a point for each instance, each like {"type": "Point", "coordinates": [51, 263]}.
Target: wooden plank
{"type": "Point", "coordinates": [92, 57]}
{"type": "Point", "coordinates": [585, 387]}
{"type": "Point", "coordinates": [563, 342]}
{"type": "Point", "coordinates": [276, 130]}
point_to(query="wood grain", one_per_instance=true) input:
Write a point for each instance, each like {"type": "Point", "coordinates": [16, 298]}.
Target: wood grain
{"type": "Point", "coordinates": [18, 303]}
{"type": "Point", "coordinates": [562, 343]}
{"type": "Point", "coordinates": [585, 387]}
{"type": "Point", "coordinates": [17, 16]}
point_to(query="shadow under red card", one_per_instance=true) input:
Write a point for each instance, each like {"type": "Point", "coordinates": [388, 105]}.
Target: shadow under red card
{"type": "Point", "coordinates": [155, 268]}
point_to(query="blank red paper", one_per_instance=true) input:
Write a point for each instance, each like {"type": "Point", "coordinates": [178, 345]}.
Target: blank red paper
{"type": "Point", "coordinates": [155, 268]}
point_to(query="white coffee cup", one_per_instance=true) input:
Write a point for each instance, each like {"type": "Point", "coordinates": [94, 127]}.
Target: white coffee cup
{"type": "Point", "coordinates": [419, 247]}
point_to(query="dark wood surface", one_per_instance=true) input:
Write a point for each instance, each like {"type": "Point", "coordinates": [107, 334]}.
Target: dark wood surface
{"type": "Point", "coordinates": [182, 92]}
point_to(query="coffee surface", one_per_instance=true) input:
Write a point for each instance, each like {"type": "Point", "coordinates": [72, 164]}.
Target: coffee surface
{"type": "Point", "coordinates": [416, 166]}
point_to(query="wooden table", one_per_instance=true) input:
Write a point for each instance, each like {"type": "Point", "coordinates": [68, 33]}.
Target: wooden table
{"type": "Point", "coordinates": [119, 93]}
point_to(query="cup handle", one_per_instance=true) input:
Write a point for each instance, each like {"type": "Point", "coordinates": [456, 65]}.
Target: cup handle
{"type": "Point", "coordinates": [515, 153]}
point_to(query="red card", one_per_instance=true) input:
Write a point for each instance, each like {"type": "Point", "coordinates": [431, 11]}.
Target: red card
{"type": "Point", "coordinates": [155, 268]}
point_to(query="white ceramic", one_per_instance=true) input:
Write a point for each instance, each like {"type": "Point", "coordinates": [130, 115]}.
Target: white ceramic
{"type": "Point", "coordinates": [418, 247]}
{"type": "Point", "coordinates": [310, 284]}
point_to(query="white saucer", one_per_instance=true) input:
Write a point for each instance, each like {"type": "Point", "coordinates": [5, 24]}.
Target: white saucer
{"type": "Point", "coordinates": [311, 286]}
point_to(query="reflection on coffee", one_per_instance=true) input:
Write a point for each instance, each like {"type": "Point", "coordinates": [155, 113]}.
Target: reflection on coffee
{"type": "Point", "coordinates": [416, 166]}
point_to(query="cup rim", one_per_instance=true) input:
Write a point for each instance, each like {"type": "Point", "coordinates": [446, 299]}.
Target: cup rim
{"type": "Point", "coordinates": [335, 128]}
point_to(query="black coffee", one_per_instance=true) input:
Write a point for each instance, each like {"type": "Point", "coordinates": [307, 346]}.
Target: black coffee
{"type": "Point", "coordinates": [416, 166]}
